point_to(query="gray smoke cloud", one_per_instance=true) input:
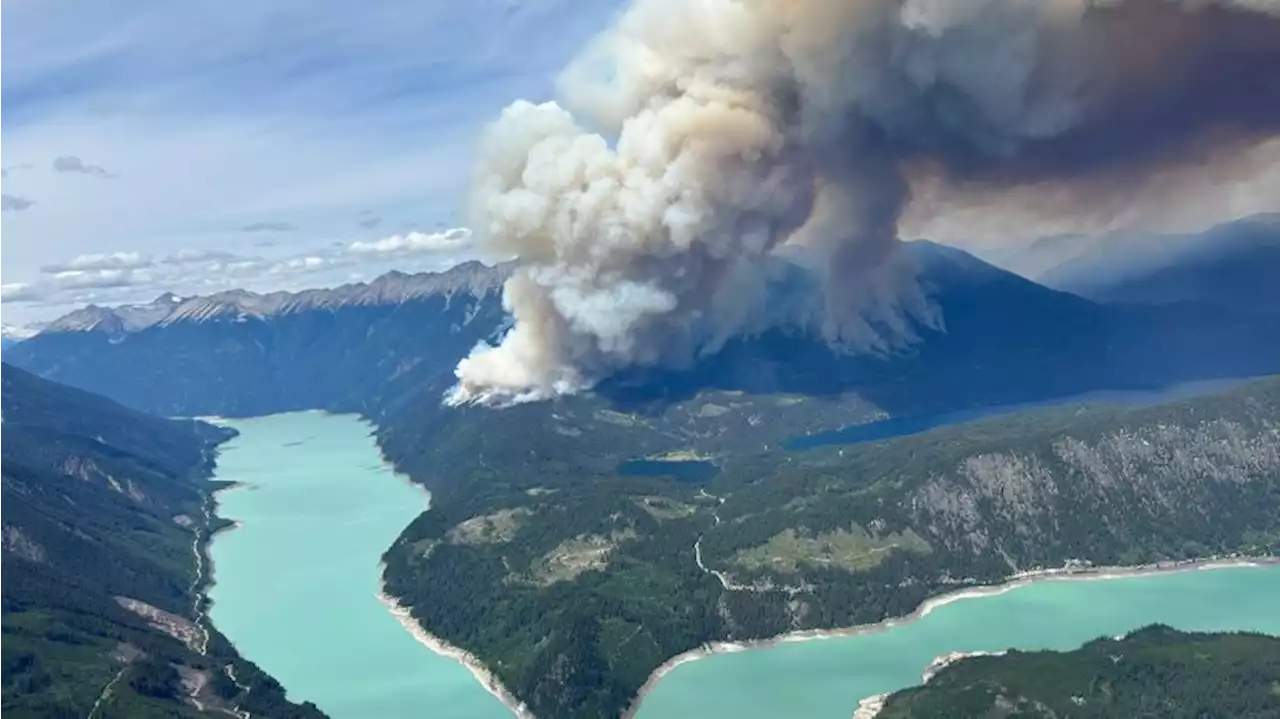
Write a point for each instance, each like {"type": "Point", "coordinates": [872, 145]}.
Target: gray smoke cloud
{"type": "Point", "coordinates": [695, 138]}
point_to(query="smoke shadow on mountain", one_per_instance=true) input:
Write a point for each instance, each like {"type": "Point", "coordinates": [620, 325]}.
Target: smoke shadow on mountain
{"type": "Point", "coordinates": [1007, 340]}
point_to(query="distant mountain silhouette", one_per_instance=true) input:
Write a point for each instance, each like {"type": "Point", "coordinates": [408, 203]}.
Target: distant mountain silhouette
{"type": "Point", "coordinates": [1005, 339]}
{"type": "Point", "coordinates": [1236, 265]}
{"type": "Point", "coordinates": [1233, 265]}
{"type": "Point", "coordinates": [363, 347]}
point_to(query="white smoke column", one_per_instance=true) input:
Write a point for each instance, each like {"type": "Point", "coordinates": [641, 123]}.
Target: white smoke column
{"type": "Point", "coordinates": [739, 125]}
{"type": "Point", "coordinates": [623, 247]}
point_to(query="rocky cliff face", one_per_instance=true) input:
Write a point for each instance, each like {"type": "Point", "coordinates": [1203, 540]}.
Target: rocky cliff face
{"type": "Point", "coordinates": [1124, 481]}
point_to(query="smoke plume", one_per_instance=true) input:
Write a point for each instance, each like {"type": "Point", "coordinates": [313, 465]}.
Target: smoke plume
{"type": "Point", "coordinates": [696, 137]}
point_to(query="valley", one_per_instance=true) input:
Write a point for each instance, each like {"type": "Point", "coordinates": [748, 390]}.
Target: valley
{"type": "Point", "coordinates": [297, 580]}
{"type": "Point", "coordinates": [567, 551]}
{"type": "Point", "coordinates": [105, 527]}
{"type": "Point", "coordinates": [783, 541]}
{"type": "Point", "coordinates": [641, 359]}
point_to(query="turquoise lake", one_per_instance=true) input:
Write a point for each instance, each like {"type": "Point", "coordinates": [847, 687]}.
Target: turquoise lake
{"type": "Point", "coordinates": [295, 589]}
{"type": "Point", "coordinates": [825, 678]}
{"type": "Point", "coordinates": [296, 584]}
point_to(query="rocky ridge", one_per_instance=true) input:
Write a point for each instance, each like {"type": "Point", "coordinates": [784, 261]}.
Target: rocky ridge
{"type": "Point", "coordinates": [472, 278]}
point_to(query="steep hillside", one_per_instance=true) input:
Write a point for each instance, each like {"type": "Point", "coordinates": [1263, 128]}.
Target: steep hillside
{"type": "Point", "coordinates": [103, 510]}
{"type": "Point", "coordinates": [573, 578]}
{"type": "Point", "coordinates": [1153, 672]}
{"type": "Point", "coordinates": [390, 346]}
{"type": "Point", "coordinates": [1007, 340]}
{"type": "Point", "coordinates": [547, 545]}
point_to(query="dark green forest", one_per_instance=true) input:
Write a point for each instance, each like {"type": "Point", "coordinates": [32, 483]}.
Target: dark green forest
{"type": "Point", "coordinates": [102, 504]}
{"type": "Point", "coordinates": [573, 583]}
{"type": "Point", "coordinates": [1153, 672]}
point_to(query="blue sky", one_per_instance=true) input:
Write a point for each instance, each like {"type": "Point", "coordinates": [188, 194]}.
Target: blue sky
{"type": "Point", "coordinates": [199, 145]}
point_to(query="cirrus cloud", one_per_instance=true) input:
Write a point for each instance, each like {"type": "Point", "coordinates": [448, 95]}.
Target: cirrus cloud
{"type": "Point", "coordinates": [100, 261]}
{"type": "Point", "coordinates": [269, 227]}
{"type": "Point", "coordinates": [99, 279]}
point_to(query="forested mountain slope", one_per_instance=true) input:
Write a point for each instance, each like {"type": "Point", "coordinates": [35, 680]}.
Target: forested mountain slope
{"type": "Point", "coordinates": [1156, 671]}
{"type": "Point", "coordinates": [540, 558]}
{"type": "Point", "coordinates": [574, 583]}
{"type": "Point", "coordinates": [103, 509]}
{"type": "Point", "coordinates": [383, 353]}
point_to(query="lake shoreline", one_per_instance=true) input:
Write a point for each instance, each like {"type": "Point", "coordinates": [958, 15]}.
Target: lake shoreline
{"type": "Point", "coordinates": [202, 544]}
{"type": "Point", "coordinates": [1015, 581]}
{"type": "Point", "coordinates": [212, 534]}
{"type": "Point", "coordinates": [483, 674]}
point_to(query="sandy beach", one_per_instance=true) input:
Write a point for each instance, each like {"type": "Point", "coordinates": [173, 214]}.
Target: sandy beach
{"type": "Point", "coordinates": [444, 649]}
{"type": "Point", "coordinates": [1015, 581]}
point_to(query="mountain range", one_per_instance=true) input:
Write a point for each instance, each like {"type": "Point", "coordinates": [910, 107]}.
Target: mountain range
{"type": "Point", "coordinates": [1116, 486]}
{"type": "Point", "coordinates": [242, 305]}
{"type": "Point", "coordinates": [1233, 265]}
{"type": "Point", "coordinates": [361, 347]}
{"type": "Point", "coordinates": [391, 344]}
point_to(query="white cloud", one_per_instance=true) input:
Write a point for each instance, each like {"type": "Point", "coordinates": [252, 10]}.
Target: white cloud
{"type": "Point", "coordinates": [125, 277]}
{"type": "Point", "coordinates": [413, 243]}
{"type": "Point", "coordinates": [217, 116]}
{"type": "Point", "coordinates": [98, 279]}
{"type": "Point", "coordinates": [299, 264]}
{"type": "Point", "coordinates": [19, 292]}
{"type": "Point", "coordinates": [108, 261]}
